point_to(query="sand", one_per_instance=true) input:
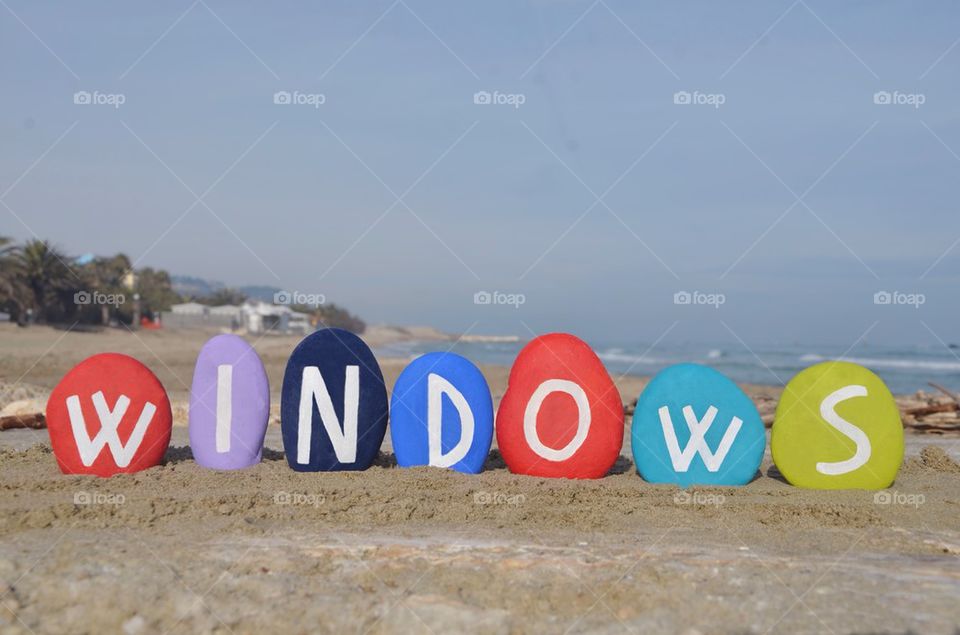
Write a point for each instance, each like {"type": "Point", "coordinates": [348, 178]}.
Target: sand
{"type": "Point", "coordinates": [181, 549]}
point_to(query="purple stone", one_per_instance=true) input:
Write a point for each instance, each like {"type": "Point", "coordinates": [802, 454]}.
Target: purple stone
{"type": "Point", "coordinates": [229, 404]}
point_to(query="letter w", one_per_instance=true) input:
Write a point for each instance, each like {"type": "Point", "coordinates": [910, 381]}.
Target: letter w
{"type": "Point", "coordinates": [107, 435]}
{"type": "Point", "coordinates": [697, 443]}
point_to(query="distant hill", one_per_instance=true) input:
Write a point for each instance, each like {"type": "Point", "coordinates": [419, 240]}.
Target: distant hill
{"type": "Point", "coordinates": [189, 286]}
{"type": "Point", "coordinates": [193, 287]}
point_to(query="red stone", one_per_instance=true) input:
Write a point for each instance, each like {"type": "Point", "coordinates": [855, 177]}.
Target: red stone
{"type": "Point", "coordinates": [103, 379]}
{"type": "Point", "coordinates": [563, 357]}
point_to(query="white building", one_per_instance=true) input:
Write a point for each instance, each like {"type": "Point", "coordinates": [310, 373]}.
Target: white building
{"type": "Point", "coordinates": [254, 316]}
{"type": "Point", "coordinates": [261, 317]}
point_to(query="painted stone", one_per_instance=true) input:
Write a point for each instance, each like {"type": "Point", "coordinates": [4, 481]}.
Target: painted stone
{"type": "Point", "coordinates": [561, 415]}
{"type": "Point", "coordinates": [108, 415]}
{"type": "Point", "coordinates": [837, 427]}
{"type": "Point", "coordinates": [229, 404]}
{"type": "Point", "coordinates": [441, 414]}
{"type": "Point", "coordinates": [333, 406]}
{"type": "Point", "coordinates": [694, 426]}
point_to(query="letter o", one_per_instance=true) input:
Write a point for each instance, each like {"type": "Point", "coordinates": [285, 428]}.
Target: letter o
{"type": "Point", "coordinates": [533, 408]}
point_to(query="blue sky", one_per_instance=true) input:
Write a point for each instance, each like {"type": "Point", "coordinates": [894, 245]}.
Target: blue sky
{"type": "Point", "coordinates": [797, 198]}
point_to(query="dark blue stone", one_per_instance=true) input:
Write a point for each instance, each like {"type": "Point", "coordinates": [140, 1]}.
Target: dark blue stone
{"type": "Point", "coordinates": [409, 430]}
{"type": "Point", "coordinates": [333, 355]}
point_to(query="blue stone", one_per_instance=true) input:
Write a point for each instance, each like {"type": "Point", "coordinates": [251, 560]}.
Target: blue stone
{"type": "Point", "coordinates": [693, 401]}
{"type": "Point", "coordinates": [448, 391]}
{"type": "Point", "coordinates": [333, 406]}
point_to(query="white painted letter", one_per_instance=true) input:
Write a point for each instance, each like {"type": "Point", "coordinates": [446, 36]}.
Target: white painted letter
{"type": "Point", "coordinates": [855, 434]}
{"type": "Point", "coordinates": [313, 389]}
{"type": "Point", "coordinates": [107, 435]}
{"type": "Point", "coordinates": [437, 387]}
{"type": "Point", "coordinates": [697, 444]}
{"type": "Point", "coordinates": [224, 406]}
{"type": "Point", "coordinates": [533, 408]}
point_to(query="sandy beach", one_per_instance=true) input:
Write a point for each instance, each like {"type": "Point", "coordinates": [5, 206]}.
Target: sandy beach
{"type": "Point", "coordinates": [181, 549]}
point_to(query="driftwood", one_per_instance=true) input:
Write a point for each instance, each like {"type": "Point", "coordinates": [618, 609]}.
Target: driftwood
{"type": "Point", "coordinates": [35, 421]}
{"type": "Point", "coordinates": [948, 393]}
{"type": "Point", "coordinates": [923, 411]}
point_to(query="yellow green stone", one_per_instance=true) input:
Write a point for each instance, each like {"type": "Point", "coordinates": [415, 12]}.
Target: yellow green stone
{"type": "Point", "coordinates": [837, 427]}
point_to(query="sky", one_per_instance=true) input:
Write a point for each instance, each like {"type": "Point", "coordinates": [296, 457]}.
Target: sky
{"type": "Point", "coordinates": [595, 163]}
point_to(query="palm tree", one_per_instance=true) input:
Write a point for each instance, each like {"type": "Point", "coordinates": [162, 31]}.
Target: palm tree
{"type": "Point", "coordinates": [49, 282]}
{"type": "Point", "coordinates": [11, 280]}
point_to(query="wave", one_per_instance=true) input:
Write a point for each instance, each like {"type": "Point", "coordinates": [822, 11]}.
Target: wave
{"type": "Point", "coordinates": [902, 364]}
{"type": "Point", "coordinates": [617, 355]}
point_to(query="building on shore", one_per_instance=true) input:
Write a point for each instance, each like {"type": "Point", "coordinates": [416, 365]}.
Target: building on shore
{"type": "Point", "coordinates": [253, 317]}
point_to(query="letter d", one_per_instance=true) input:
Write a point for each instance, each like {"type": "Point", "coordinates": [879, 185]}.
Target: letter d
{"type": "Point", "coordinates": [437, 387]}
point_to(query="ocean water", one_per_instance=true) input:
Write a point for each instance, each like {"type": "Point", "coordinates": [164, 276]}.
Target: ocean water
{"type": "Point", "coordinates": [904, 369]}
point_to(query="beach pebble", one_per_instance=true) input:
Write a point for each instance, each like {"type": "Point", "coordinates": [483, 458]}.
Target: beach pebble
{"type": "Point", "coordinates": [333, 372]}
{"type": "Point", "coordinates": [729, 441]}
{"type": "Point", "coordinates": [441, 414]}
{"type": "Point", "coordinates": [108, 415]}
{"type": "Point", "coordinates": [837, 426]}
{"type": "Point", "coordinates": [561, 415]}
{"type": "Point", "coordinates": [229, 404]}
{"type": "Point", "coordinates": [135, 625]}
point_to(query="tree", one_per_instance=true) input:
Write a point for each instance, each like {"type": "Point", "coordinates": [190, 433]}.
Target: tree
{"type": "Point", "coordinates": [223, 296]}
{"type": "Point", "coordinates": [12, 289]}
{"type": "Point", "coordinates": [156, 290]}
{"type": "Point", "coordinates": [49, 283]}
{"type": "Point", "coordinates": [106, 278]}
{"type": "Point", "coordinates": [331, 315]}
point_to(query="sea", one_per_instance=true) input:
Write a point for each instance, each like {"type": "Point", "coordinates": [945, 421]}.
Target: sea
{"type": "Point", "coordinates": [905, 369]}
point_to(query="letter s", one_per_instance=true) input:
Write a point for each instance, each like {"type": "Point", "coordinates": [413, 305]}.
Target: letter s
{"type": "Point", "coordinates": [855, 434]}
